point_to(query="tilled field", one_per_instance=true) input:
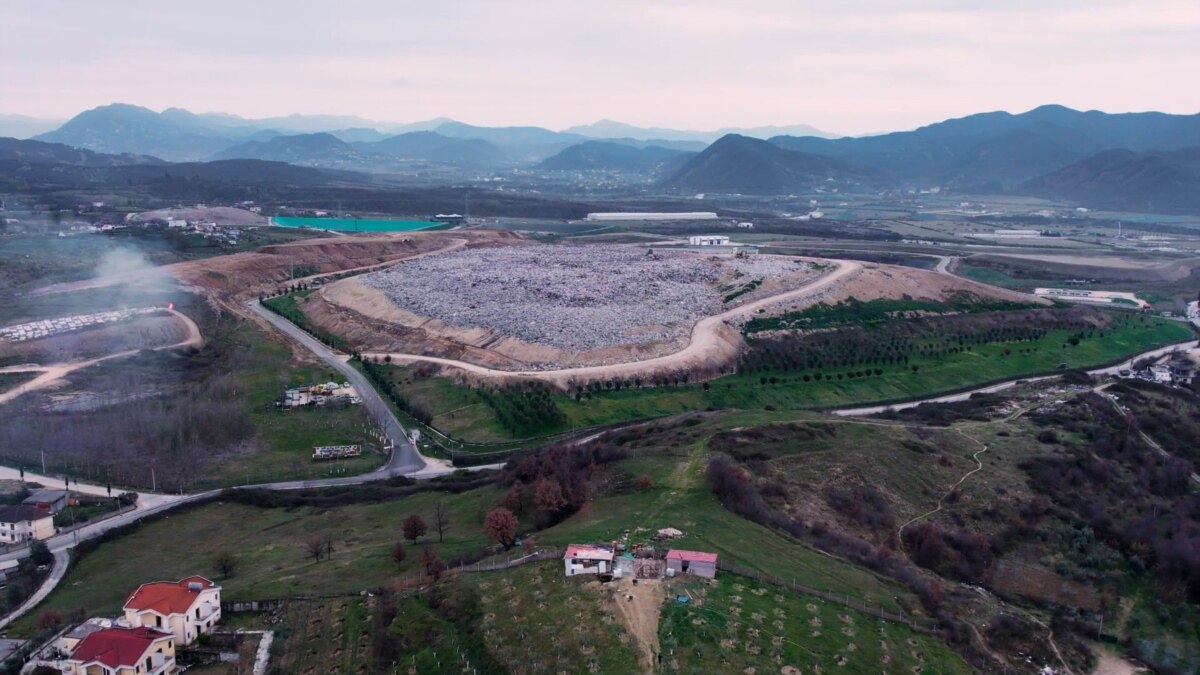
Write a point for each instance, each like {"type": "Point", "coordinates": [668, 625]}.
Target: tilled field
{"type": "Point", "coordinates": [575, 298]}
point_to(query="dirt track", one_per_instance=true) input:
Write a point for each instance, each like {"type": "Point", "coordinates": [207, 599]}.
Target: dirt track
{"type": "Point", "coordinates": [53, 373]}
{"type": "Point", "coordinates": [713, 341]}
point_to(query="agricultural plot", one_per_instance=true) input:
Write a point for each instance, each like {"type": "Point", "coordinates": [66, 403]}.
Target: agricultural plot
{"type": "Point", "coordinates": [740, 625]}
{"type": "Point", "coordinates": [331, 635]}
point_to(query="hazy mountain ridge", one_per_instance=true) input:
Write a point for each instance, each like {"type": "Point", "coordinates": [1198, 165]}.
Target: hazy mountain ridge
{"type": "Point", "coordinates": [1153, 181]}
{"type": "Point", "coordinates": [754, 166]}
{"type": "Point", "coordinates": [612, 129]}
{"type": "Point", "coordinates": [608, 155]}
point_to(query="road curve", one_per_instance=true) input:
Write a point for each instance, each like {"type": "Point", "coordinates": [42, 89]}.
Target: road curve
{"type": "Point", "coordinates": [405, 458]}
{"type": "Point", "coordinates": [705, 338]}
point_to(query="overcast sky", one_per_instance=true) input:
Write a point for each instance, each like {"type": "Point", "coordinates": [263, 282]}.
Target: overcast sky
{"type": "Point", "coordinates": [849, 66]}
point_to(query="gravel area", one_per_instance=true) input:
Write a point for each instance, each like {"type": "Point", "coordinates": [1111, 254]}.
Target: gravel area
{"type": "Point", "coordinates": [569, 297]}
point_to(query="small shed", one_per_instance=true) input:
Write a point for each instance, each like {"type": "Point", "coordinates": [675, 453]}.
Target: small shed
{"type": "Point", "coordinates": [584, 559]}
{"type": "Point", "coordinates": [50, 501]}
{"type": "Point", "coordinates": [695, 563]}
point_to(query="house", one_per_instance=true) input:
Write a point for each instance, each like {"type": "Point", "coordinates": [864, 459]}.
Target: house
{"type": "Point", "coordinates": [22, 523]}
{"type": "Point", "coordinates": [695, 563]}
{"type": "Point", "coordinates": [584, 559]}
{"type": "Point", "coordinates": [124, 651]}
{"type": "Point", "coordinates": [67, 642]}
{"type": "Point", "coordinates": [708, 240]}
{"type": "Point", "coordinates": [186, 608]}
{"type": "Point", "coordinates": [50, 501]}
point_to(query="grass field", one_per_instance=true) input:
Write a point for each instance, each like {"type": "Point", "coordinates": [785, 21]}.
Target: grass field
{"type": "Point", "coordinates": [285, 438]}
{"type": "Point", "coordinates": [737, 624]}
{"type": "Point", "coordinates": [269, 544]}
{"type": "Point", "coordinates": [459, 412]}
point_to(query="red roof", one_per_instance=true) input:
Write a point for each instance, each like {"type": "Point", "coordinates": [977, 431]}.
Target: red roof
{"type": "Point", "coordinates": [116, 647]}
{"type": "Point", "coordinates": [587, 552]}
{"type": "Point", "coordinates": [167, 597]}
{"type": "Point", "coordinates": [691, 556]}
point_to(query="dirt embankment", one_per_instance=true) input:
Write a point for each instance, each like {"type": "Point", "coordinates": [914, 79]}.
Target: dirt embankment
{"type": "Point", "coordinates": [877, 281]}
{"type": "Point", "coordinates": [143, 332]}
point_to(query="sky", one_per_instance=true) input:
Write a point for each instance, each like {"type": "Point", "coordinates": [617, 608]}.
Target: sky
{"type": "Point", "coordinates": [845, 66]}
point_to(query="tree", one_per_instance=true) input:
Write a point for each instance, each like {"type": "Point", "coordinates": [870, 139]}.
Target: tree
{"type": "Point", "coordinates": [399, 553]}
{"type": "Point", "coordinates": [226, 563]}
{"type": "Point", "coordinates": [49, 619]}
{"type": "Point", "coordinates": [314, 545]}
{"type": "Point", "coordinates": [431, 562]}
{"type": "Point", "coordinates": [414, 528]}
{"type": "Point", "coordinates": [441, 519]}
{"type": "Point", "coordinates": [528, 545]}
{"type": "Point", "coordinates": [500, 525]}
{"type": "Point", "coordinates": [39, 553]}
{"type": "Point", "coordinates": [548, 496]}
{"type": "Point", "coordinates": [644, 482]}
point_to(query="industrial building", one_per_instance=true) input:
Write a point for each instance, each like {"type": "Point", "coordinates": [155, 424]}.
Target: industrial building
{"type": "Point", "coordinates": [708, 240]}
{"type": "Point", "coordinates": [689, 215]}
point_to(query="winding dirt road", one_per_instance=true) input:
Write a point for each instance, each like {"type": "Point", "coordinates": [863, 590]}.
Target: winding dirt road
{"type": "Point", "coordinates": [55, 372]}
{"type": "Point", "coordinates": [712, 341]}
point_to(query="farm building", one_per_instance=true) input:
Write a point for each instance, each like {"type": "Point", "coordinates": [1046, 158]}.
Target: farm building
{"type": "Point", "coordinates": [695, 563]}
{"type": "Point", "coordinates": [708, 240]}
{"type": "Point", "coordinates": [584, 559]}
{"type": "Point", "coordinates": [50, 501]}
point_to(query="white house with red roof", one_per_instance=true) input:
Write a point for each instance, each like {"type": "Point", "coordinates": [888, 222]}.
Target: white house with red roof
{"type": "Point", "coordinates": [124, 651]}
{"type": "Point", "coordinates": [695, 563]}
{"type": "Point", "coordinates": [584, 559]}
{"type": "Point", "coordinates": [186, 608]}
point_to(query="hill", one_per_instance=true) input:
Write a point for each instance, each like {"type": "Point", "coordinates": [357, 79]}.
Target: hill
{"type": "Point", "coordinates": [998, 150]}
{"type": "Point", "coordinates": [121, 128]}
{"type": "Point", "coordinates": [607, 129]}
{"type": "Point", "coordinates": [24, 126]}
{"type": "Point", "coordinates": [436, 147]}
{"type": "Point", "coordinates": [38, 152]}
{"type": "Point", "coordinates": [608, 155]}
{"type": "Point", "coordinates": [748, 165]}
{"type": "Point", "coordinates": [320, 148]}
{"type": "Point", "coordinates": [1124, 179]}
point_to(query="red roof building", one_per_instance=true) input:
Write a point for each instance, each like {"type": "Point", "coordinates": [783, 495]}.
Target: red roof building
{"type": "Point", "coordinates": [125, 651]}
{"type": "Point", "coordinates": [696, 563]}
{"type": "Point", "coordinates": [186, 608]}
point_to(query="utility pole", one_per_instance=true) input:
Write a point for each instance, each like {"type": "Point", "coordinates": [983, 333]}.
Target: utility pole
{"type": "Point", "coordinates": [43, 462]}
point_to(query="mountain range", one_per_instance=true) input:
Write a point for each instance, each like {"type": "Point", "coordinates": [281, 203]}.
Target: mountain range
{"type": "Point", "coordinates": [611, 129]}
{"type": "Point", "coordinates": [1116, 160]}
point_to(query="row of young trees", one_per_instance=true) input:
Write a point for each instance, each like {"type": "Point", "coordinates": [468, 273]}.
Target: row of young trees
{"type": "Point", "coordinates": [526, 409]}
{"type": "Point", "coordinates": [380, 375]}
{"type": "Point", "coordinates": [895, 344]}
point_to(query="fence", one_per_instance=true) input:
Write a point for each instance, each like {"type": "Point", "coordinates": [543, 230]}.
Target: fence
{"type": "Point", "coordinates": [920, 625]}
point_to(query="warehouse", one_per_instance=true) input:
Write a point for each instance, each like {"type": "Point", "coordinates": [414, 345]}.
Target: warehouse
{"type": "Point", "coordinates": [687, 215]}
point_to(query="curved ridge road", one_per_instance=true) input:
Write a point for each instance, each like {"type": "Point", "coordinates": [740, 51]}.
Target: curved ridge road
{"type": "Point", "coordinates": [705, 340]}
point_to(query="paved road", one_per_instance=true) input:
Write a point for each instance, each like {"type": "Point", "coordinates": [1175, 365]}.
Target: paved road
{"type": "Point", "coordinates": [405, 458]}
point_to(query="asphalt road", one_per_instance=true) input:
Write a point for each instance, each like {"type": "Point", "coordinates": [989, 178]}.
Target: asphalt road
{"type": "Point", "coordinates": [405, 458]}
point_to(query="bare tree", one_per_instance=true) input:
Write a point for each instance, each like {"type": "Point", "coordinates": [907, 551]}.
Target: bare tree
{"type": "Point", "coordinates": [328, 545]}
{"type": "Point", "coordinates": [314, 545]}
{"type": "Point", "coordinates": [441, 519]}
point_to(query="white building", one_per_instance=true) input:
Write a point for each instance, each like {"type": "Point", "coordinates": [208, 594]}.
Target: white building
{"type": "Point", "coordinates": [708, 240]}
{"type": "Point", "coordinates": [584, 559]}
{"type": "Point", "coordinates": [23, 522]}
{"type": "Point", "coordinates": [686, 215]}
{"type": "Point", "coordinates": [177, 223]}
{"type": "Point", "coordinates": [186, 608]}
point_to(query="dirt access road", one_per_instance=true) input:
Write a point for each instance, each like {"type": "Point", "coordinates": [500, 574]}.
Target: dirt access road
{"type": "Point", "coordinates": [53, 373]}
{"type": "Point", "coordinates": [712, 341]}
